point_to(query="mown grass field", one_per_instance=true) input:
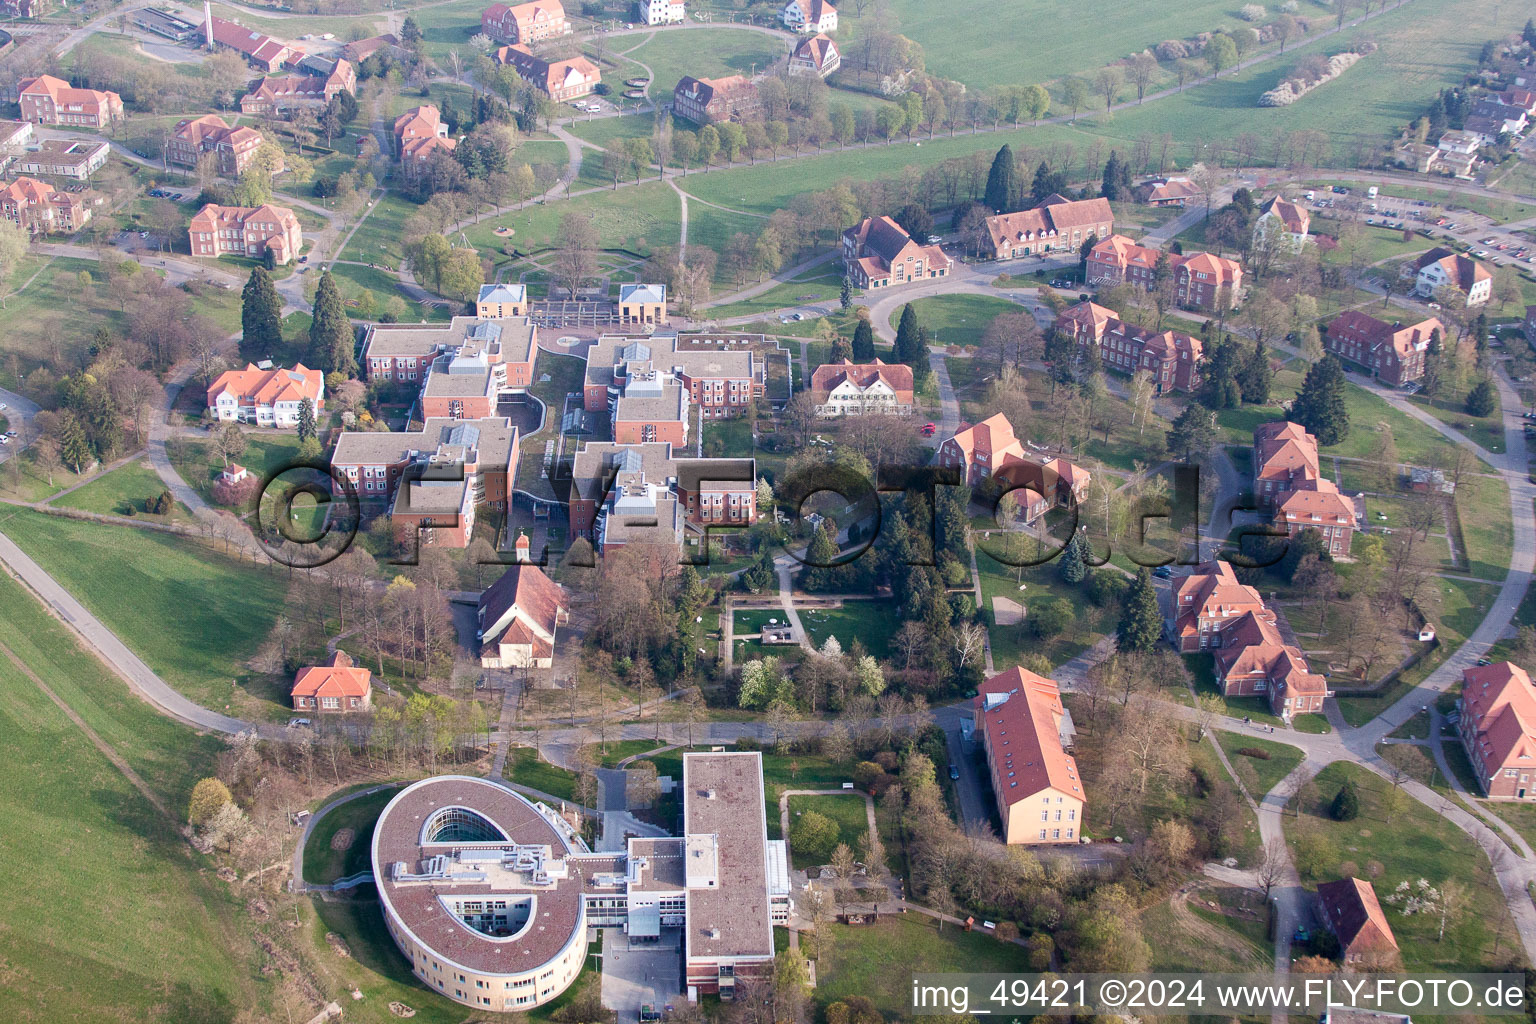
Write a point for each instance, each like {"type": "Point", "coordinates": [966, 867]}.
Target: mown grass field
{"type": "Point", "coordinates": [876, 961]}
{"type": "Point", "coordinates": [108, 914]}
{"type": "Point", "coordinates": [1394, 841]}
{"type": "Point", "coordinates": [193, 615]}
{"type": "Point", "coordinates": [1258, 774]}
{"type": "Point", "coordinates": [129, 485]}
{"type": "Point", "coordinates": [957, 319]}
{"type": "Point", "coordinates": [846, 812]}
{"type": "Point", "coordinates": [322, 861]}
{"type": "Point", "coordinates": [702, 53]}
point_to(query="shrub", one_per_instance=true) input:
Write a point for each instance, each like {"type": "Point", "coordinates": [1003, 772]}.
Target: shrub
{"type": "Point", "coordinates": [1252, 12]}
{"type": "Point", "coordinates": [814, 835]}
{"type": "Point", "coordinates": [1254, 752]}
{"type": "Point", "coordinates": [1171, 49]}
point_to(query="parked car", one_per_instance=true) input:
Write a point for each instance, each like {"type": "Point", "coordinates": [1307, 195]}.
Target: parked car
{"type": "Point", "coordinates": [1162, 572]}
{"type": "Point", "coordinates": [928, 429]}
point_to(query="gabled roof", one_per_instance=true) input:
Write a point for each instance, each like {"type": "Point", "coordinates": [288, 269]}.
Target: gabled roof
{"type": "Point", "coordinates": [1088, 314]}
{"type": "Point", "coordinates": [268, 387]}
{"type": "Point", "coordinates": [817, 50]}
{"type": "Point", "coordinates": [528, 595]}
{"type": "Point", "coordinates": [993, 435]}
{"type": "Point", "coordinates": [1316, 500]}
{"type": "Point", "coordinates": [1022, 722]}
{"type": "Point", "coordinates": [898, 376]}
{"type": "Point", "coordinates": [1284, 449]}
{"type": "Point", "coordinates": [419, 122]}
{"type": "Point", "coordinates": [1218, 268]}
{"type": "Point", "coordinates": [1500, 702]}
{"type": "Point", "coordinates": [642, 293]}
{"type": "Point", "coordinates": [881, 236]}
{"type": "Point", "coordinates": [1355, 914]}
{"type": "Point", "coordinates": [1173, 188]}
{"type": "Point", "coordinates": [503, 293]}
{"type": "Point", "coordinates": [1295, 219]}
{"type": "Point", "coordinates": [1213, 592]}
{"type": "Point", "coordinates": [337, 676]}
{"type": "Point", "coordinates": [1463, 271]}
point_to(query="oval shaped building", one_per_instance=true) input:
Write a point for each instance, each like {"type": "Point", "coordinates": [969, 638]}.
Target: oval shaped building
{"type": "Point", "coordinates": [482, 893]}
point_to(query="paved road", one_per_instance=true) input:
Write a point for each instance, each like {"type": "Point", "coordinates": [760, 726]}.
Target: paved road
{"type": "Point", "coordinates": [20, 411]}
{"type": "Point", "coordinates": [139, 676]}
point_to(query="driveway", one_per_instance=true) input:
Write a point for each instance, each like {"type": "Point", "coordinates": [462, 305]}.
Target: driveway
{"type": "Point", "coordinates": [969, 788]}
{"type": "Point", "coordinates": [650, 973]}
{"type": "Point", "coordinates": [19, 411]}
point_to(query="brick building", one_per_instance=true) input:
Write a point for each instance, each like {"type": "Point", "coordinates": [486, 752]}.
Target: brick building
{"type": "Point", "coordinates": [49, 100]}
{"type": "Point", "coordinates": [1498, 729]}
{"type": "Point", "coordinates": [285, 93]}
{"type": "Point", "coordinates": [878, 253]}
{"type": "Point", "coordinates": [560, 80]}
{"type": "Point", "coordinates": [335, 686]}
{"type": "Point", "coordinates": [644, 493]}
{"type": "Point", "coordinates": [525, 23]}
{"type": "Point", "coordinates": [502, 351]}
{"type": "Point", "coordinates": [40, 209]}
{"type": "Point", "coordinates": [1058, 224]}
{"type": "Point", "coordinates": [1352, 912]}
{"type": "Point", "coordinates": [1171, 357]}
{"type": "Point", "coordinates": [1199, 280]}
{"type": "Point", "coordinates": [1392, 352]}
{"type": "Point", "coordinates": [720, 374]}
{"type": "Point", "coordinates": [234, 148]}
{"type": "Point", "coordinates": [246, 231]}
{"type": "Point", "coordinates": [420, 133]}
{"type": "Point", "coordinates": [703, 100]}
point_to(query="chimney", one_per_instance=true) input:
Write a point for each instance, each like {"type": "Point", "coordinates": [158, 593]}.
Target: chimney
{"type": "Point", "coordinates": [208, 23]}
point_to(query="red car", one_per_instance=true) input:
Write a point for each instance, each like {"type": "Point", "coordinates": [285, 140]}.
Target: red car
{"type": "Point", "coordinates": [928, 429]}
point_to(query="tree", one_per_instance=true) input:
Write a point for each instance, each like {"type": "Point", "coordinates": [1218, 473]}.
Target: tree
{"type": "Point", "coordinates": [330, 332]}
{"type": "Point", "coordinates": [1072, 568]}
{"type": "Point", "coordinates": [1074, 93]}
{"type": "Point", "coordinates": [1271, 870]}
{"type": "Point", "coordinates": [1002, 186]}
{"type": "Point", "coordinates": [575, 252]}
{"type": "Point", "coordinates": [1141, 624]}
{"type": "Point", "coordinates": [307, 430]}
{"type": "Point", "coordinates": [1256, 377]}
{"type": "Point", "coordinates": [261, 310]}
{"type": "Point", "coordinates": [845, 294]}
{"type": "Point", "coordinates": [908, 342]}
{"type": "Point", "coordinates": [1320, 404]}
{"type": "Point", "coordinates": [1346, 803]}
{"type": "Point", "coordinates": [1107, 84]}
{"type": "Point", "coordinates": [207, 797]}
{"type": "Point", "coordinates": [915, 220]}
{"type": "Point", "coordinates": [814, 835]}
{"type": "Point", "coordinates": [1143, 68]}
{"type": "Point", "coordinates": [231, 442]}
{"type": "Point", "coordinates": [1220, 53]}
{"type": "Point", "coordinates": [863, 342]}
{"type": "Point", "coordinates": [1482, 399]}
{"type": "Point", "coordinates": [74, 447]}
{"type": "Point", "coordinates": [1193, 432]}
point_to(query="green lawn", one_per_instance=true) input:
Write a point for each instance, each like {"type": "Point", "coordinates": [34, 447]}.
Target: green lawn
{"type": "Point", "coordinates": [847, 812]}
{"type": "Point", "coordinates": [1483, 507]}
{"type": "Point", "coordinates": [869, 622]}
{"type": "Point", "coordinates": [637, 218]}
{"type": "Point", "coordinates": [113, 493]}
{"type": "Point", "coordinates": [1258, 774]}
{"type": "Point", "coordinates": [876, 961]}
{"type": "Point", "coordinates": [705, 53]}
{"type": "Point", "coordinates": [957, 319]}
{"type": "Point", "coordinates": [107, 911]}
{"type": "Point", "coordinates": [1405, 843]}
{"type": "Point", "coordinates": [821, 287]}
{"type": "Point", "coordinates": [200, 464]}
{"type": "Point", "coordinates": [1011, 643]}
{"type": "Point", "coordinates": [377, 239]}
{"type": "Point", "coordinates": [193, 615]}
{"type": "Point", "coordinates": [780, 772]}
{"type": "Point", "coordinates": [322, 861]}
{"type": "Point", "coordinates": [527, 768]}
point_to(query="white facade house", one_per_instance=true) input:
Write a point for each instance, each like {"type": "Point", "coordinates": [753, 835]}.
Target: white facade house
{"type": "Point", "coordinates": [662, 12]}
{"type": "Point", "coordinates": [1289, 222]}
{"type": "Point", "coordinates": [848, 399]}
{"type": "Point", "coordinates": [810, 16]}
{"type": "Point", "coordinates": [267, 398]}
{"type": "Point", "coordinates": [1463, 273]}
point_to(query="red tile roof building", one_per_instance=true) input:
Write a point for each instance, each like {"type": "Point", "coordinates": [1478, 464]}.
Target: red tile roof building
{"type": "Point", "coordinates": [817, 55]}
{"type": "Point", "coordinates": [49, 100]}
{"type": "Point", "coordinates": [525, 23]}
{"type": "Point", "coordinates": [1390, 351]}
{"type": "Point", "coordinates": [1209, 610]}
{"type": "Point", "coordinates": [264, 52]}
{"type": "Point", "coordinates": [293, 92]}
{"type": "Point", "coordinates": [1352, 912]}
{"type": "Point", "coordinates": [1058, 224]}
{"type": "Point", "coordinates": [1442, 268]}
{"type": "Point", "coordinates": [40, 209]}
{"type": "Point", "coordinates": [267, 398]}
{"type": "Point", "coordinates": [1257, 663]}
{"type": "Point", "coordinates": [419, 133]}
{"type": "Point", "coordinates": [1171, 357]}
{"type": "Point", "coordinates": [246, 231]}
{"type": "Point", "coordinates": [1027, 732]}
{"type": "Point", "coordinates": [878, 252]}
{"type": "Point", "coordinates": [1287, 478]}
{"type": "Point", "coordinates": [989, 450]}
{"type": "Point", "coordinates": [517, 618]}
{"type": "Point", "coordinates": [855, 389]}
{"type": "Point", "coordinates": [334, 686]}
{"type": "Point", "coordinates": [1291, 221]}
{"type": "Point", "coordinates": [809, 16]}
{"type": "Point", "coordinates": [1173, 192]}
{"type": "Point", "coordinates": [234, 148]}
{"type": "Point", "coordinates": [1200, 607]}
{"type": "Point", "coordinates": [1201, 280]}
{"type": "Point", "coordinates": [560, 80]}
{"type": "Point", "coordinates": [1498, 729]}
{"type": "Point", "coordinates": [1284, 456]}
{"type": "Point", "coordinates": [703, 100]}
